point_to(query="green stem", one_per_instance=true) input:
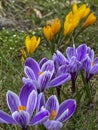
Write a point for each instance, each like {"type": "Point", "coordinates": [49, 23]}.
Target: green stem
{"type": "Point", "coordinates": [58, 93]}
{"type": "Point", "coordinates": [86, 87]}
{"type": "Point", "coordinates": [78, 33]}
{"type": "Point", "coordinates": [42, 127]}
{"type": "Point", "coordinates": [52, 47]}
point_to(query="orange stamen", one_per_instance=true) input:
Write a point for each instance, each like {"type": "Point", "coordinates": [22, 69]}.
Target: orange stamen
{"type": "Point", "coordinates": [20, 108]}
{"type": "Point", "coordinates": [40, 73]}
{"type": "Point", "coordinates": [53, 115]}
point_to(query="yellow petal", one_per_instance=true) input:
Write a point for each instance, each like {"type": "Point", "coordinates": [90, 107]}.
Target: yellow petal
{"type": "Point", "coordinates": [86, 12]}
{"type": "Point", "coordinates": [74, 8]}
{"type": "Point", "coordinates": [27, 43]}
{"type": "Point", "coordinates": [56, 25]}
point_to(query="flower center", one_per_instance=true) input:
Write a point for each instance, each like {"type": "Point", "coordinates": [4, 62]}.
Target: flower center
{"type": "Point", "coordinates": [93, 63]}
{"type": "Point", "coordinates": [20, 108]}
{"type": "Point", "coordinates": [53, 115]}
{"type": "Point", "coordinates": [39, 73]}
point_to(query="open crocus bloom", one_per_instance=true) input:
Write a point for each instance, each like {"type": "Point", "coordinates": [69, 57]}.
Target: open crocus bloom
{"type": "Point", "coordinates": [42, 74]}
{"type": "Point", "coordinates": [57, 113]}
{"type": "Point", "coordinates": [22, 108]}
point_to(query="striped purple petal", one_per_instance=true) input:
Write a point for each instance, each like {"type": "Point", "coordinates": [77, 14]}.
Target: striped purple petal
{"type": "Point", "coordinates": [40, 117]}
{"type": "Point", "coordinates": [29, 73]}
{"type": "Point", "coordinates": [31, 103]}
{"type": "Point", "coordinates": [48, 66]}
{"type": "Point", "coordinates": [30, 62]}
{"type": "Point", "coordinates": [74, 65]}
{"type": "Point", "coordinates": [5, 118]}
{"type": "Point", "coordinates": [40, 101]}
{"type": "Point", "coordinates": [63, 69]}
{"type": "Point", "coordinates": [26, 80]}
{"type": "Point", "coordinates": [81, 52]}
{"type": "Point", "coordinates": [66, 110]}
{"type": "Point", "coordinates": [43, 80]}
{"type": "Point", "coordinates": [42, 62]}
{"type": "Point", "coordinates": [94, 69]}
{"type": "Point", "coordinates": [52, 104]}
{"type": "Point", "coordinates": [59, 80]}
{"type": "Point", "coordinates": [56, 62]}
{"type": "Point", "coordinates": [61, 58]}
{"type": "Point", "coordinates": [25, 92]}
{"type": "Point", "coordinates": [13, 101]}
{"type": "Point", "coordinates": [22, 118]}
{"type": "Point", "coordinates": [90, 53]}
{"type": "Point", "coordinates": [70, 52]}
{"type": "Point", "coordinates": [53, 125]}
{"type": "Point", "coordinates": [87, 64]}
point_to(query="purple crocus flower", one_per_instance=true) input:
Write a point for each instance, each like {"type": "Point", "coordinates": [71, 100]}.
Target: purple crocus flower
{"type": "Point", "coordinates": [42, 74]}
{"type": "Point", "coordinates": [22, 107]}
{"type": "Point", "coordinates": [90, 64]}
{"type": "Point", "coordinates": [73, 63]}
{"type": "Point", "coordinates": [57, 113]}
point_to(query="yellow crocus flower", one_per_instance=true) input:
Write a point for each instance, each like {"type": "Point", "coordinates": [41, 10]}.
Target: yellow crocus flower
{"type": "Point", "coordinates": [52, 29]}
{"type": "Point", "coordinates": [91, 19]}
{"type": "Point", "coordinates": [32, 43]}
{"type": "Point", "coordinates": [56, 25]}
{"type": "Point", "coordinates": [48, 32]}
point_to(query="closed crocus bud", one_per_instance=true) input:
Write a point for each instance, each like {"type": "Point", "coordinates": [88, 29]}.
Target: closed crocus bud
{"type": "Point", "coordinates": [32, 43]}
{"type": "Point", "coordinates": [56, 25]}
{"type": "Point", "coordinates": [23, 53]}
{"type": "Point", "coordinates": [48, 32]}
{"type": "Point", "coordinates": [89, 21]}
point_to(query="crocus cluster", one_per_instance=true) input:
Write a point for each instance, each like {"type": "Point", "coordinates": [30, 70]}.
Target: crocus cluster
{"type": "Point", "coordinates": [29, 107]}
{"type": "Point", "coordinates": [74, 17]}
{"type": "Point", "coordinates": [55, 36]}
{"type": "Point", "coordinates": [22, 108]}
{"type": "Point", "coordinates": [76, 21]}
{"type": "Point", "coordinates": [78, 59]}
